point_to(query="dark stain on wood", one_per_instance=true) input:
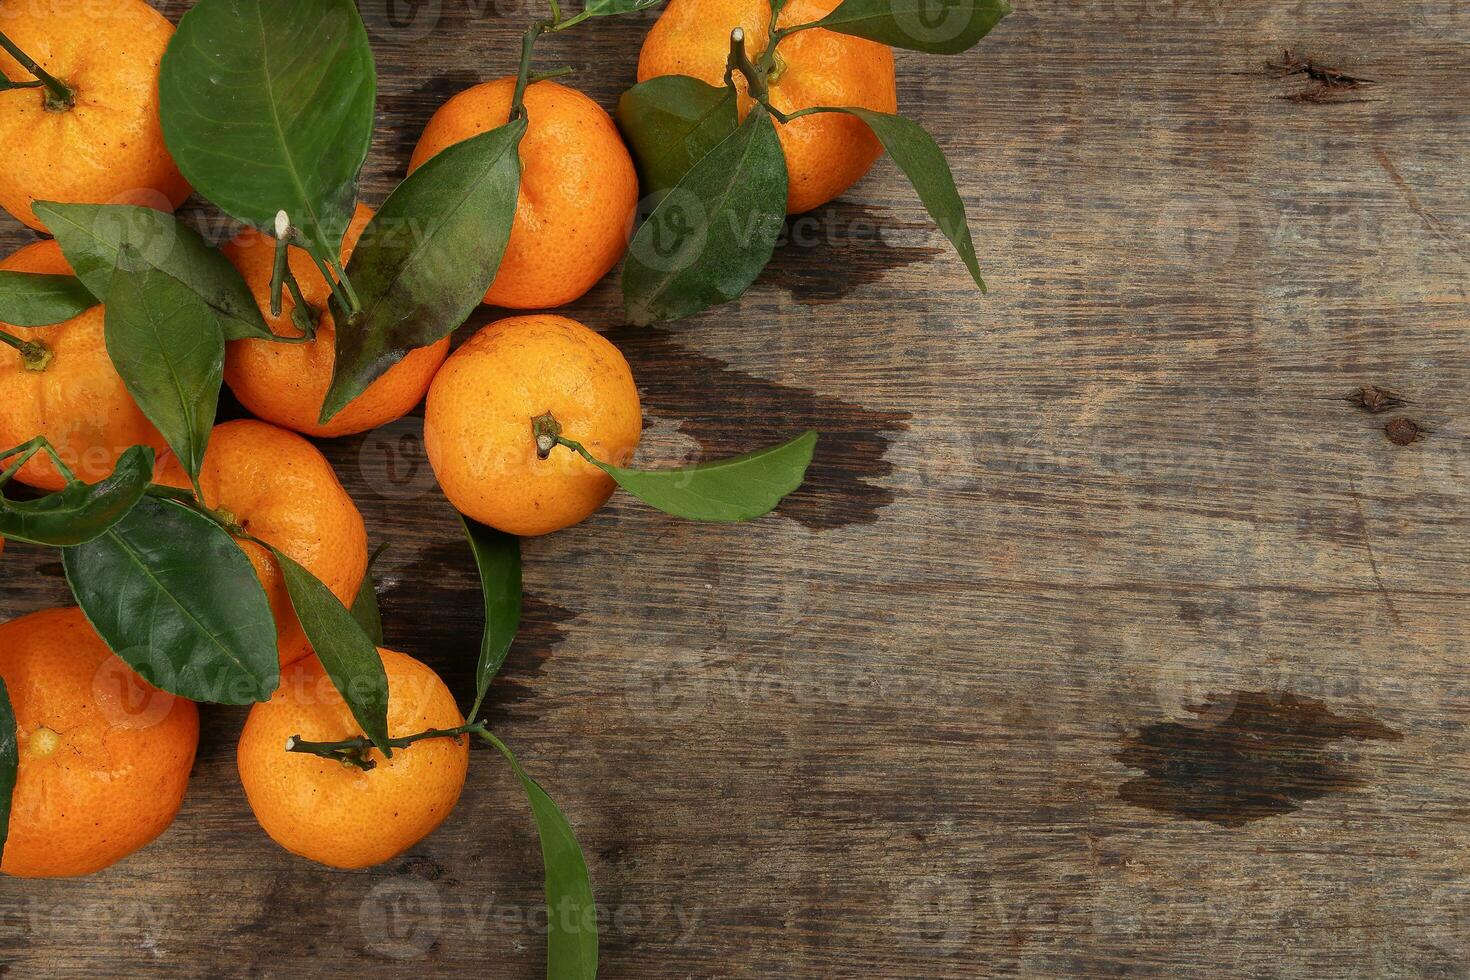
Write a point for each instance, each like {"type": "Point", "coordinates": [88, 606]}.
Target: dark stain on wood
{"type": "Point", "coordinates": [1270, 753]}
{"type": "Point", "coordinates": [826, 254]}
{"type": "Point", "coordinates": [402, 117]}
{"type": "Point", "coordinates": [446, 586]}
{"type": "Point", "coordinates": [729, 411]}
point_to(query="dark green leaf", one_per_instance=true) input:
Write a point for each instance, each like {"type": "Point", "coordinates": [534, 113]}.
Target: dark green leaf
{"type": "Point", "coordinates": [671, 122]}
{"type": "Point", "coordinates": [79, 511]}
{"type": "Point", "coordinates": [9, 761]}
{"type": "Point", "coordinates": [169, 352]}
{"type": "Point", "coordinates": [935, 26]}
{"type": "Point", "coordinates": [365, 606]}
{"type": "Point", "coordinates": [498, 557]}
{"type": "Point", "coordinates": [175, 597]}
{"type": "Point", "coordinates": [9, 84]}
{"type": "Point", "coordinates": [425, 260]}
{"type": "Point", "coordinates": [346, 652]}
{"type": "Point", "coordinates": [923, 163]}
{"type": "Point", "coordinates": [735, 489]}
{"type": "Point", "coordinates": [32, 299]}
{"type": "Point", "coordinates": [571, 939]}
{"type": "Point", "coordinates": [90, 235]}
{"type": "Point", "coordinates": [710, 236]}
{"type": "Point", "coordinates": [267, 105]}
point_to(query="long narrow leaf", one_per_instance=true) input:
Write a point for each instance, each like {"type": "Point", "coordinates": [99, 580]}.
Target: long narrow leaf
{"type": "Point", "coordinates": [498, 558]}
{"type": "Point", "coordinates": [571, 939]}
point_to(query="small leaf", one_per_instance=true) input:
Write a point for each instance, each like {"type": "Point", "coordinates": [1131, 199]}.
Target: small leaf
{"type": "Point", "coordinates": [169, 352]}
{"type": "Point", "coordinates": [934, 26]}
{"type": "Point", "coordinates": [498, 557]}
{"type": "Point", "coordinates": [571, 939]}
{"type": "Point", "coordinates": [90, 235]}
{"type": "Point", "coordinates": [32, 299]}
{"type": "Point", "coordinates": [9, 761]}
{"type": "Point", "coordinates": [735, 489]}
{"type": "Point", "coordinates": [365, 606]}
{"type": "Point", "coordinates": [174, 596]}
{"type": "Point", "coordinates": [346, 652]}
{"type": "Point", "coordinates": [921, 160]}
{"type": "Point", "coordinates": [710, 236]}
{"type": "Point", "coordinates": [79, 512]}
{"type": "Point", "coordinates": [267, 105]}
{"type": "Point", "coordinates": [425, 260]}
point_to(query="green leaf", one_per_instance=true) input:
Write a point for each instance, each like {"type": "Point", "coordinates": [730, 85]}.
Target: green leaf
{"type": "Point", "coordinates": [9, 761]}
{"type": "Point", "coordinates": [935, 26]}
{"type": "Point", "coordinates": [735, 489]}
{"type": "Point", "coordinates": [79, 512]}
{"type": "Point", "coordinates": [346, 652]}
{"type": "Point", "coordinates": [169, 352]}
{"type": "Point", "coordinates": [174, 596]}
{"type": "Point", "coordinates": [365, 610]}
{"type": "Point", "coordinates": [571, 939]}
{"type": "Point", "coordinates": [921, 160]}
{"type": "Point", "coordinates": [711, 235]}
{"type": "Point", "coordinates": [425, 260]}
{"type": "Point", "coordinates": [267, 105]}
{"type": "Point", "coordinates": [498, 558]}
{"type": "Point", "coordinates": [33, 299]}
{"type": "Point", "coordinates": [671, 122]}
{"type": "Point", "coordinates": [91, 234]}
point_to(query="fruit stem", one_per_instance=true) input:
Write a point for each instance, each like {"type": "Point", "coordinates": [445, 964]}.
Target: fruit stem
{"type": "Point", "coordinates": [740, 61]}
{"type": "Point", "coordinates": [581, 450]}
{"type": "Point", "coordinates": [36, 355]}
{"type": "Point", "coordinates": [280, 266]}
{"type": "Point", "coordinates": [59, 95]}
{"type": "Point", "coordinates": [547, 431]}
{"type": "Point", "coordinates": [354, 751]}
{"type": "Point", "coordinates": [27, 450]}
{"type": "Point", "coordinates": [542, 76]}
{"type": "Point", "coordinates": [523, 75]}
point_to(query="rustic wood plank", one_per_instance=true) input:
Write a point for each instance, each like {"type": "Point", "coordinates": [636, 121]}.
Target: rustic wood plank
{"type": "Point", "coordinates": [886, 733]}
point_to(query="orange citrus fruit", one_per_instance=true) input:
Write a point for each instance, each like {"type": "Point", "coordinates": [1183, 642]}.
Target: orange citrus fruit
{"type": "Point", "coordinates": [104, 756]}
{"type": "Point", "coordinates": [107, 148]}
{"type": "Point", "coordinates": [77, 401]}
{"type": "Point", "coordinates": [278, 487]}
{"type": "Point", "coordinates": [478, 422]}
{"type": "Point", "coordinates": [578, 190]}
{"type": "Point", "coordinates": [827, 152]}
{"type": "Point", "coordinates": [338, 814]}
{"type": "Point", "coordinates": [286, 383]}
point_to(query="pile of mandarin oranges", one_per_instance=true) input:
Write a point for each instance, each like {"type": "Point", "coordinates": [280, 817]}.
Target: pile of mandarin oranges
{"type": "Point", "coordinates": [104, 758]}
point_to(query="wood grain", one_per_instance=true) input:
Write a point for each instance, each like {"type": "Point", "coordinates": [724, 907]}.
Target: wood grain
{"type": "Point", "coordinates": [884, 733]}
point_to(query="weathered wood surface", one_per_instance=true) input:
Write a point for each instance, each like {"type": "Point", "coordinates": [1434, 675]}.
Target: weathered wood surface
{"type": "Point", "coordinates": [933, 720]}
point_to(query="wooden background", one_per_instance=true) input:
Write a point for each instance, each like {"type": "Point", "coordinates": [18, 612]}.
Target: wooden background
{"type": "Point", "coordinates": [934, 718]}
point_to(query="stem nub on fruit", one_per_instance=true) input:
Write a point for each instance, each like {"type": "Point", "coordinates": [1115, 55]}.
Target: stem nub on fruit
{"type": "Point", "coordinates": [36, 355]}
{"type": "Point", "coordinates": [547, 431]}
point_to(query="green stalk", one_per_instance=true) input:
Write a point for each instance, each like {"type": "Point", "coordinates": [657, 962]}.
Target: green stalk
{"type": "Point", "coordinates": [354, 751]}
{"type": "Point", "coordinates": [59, 95]}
